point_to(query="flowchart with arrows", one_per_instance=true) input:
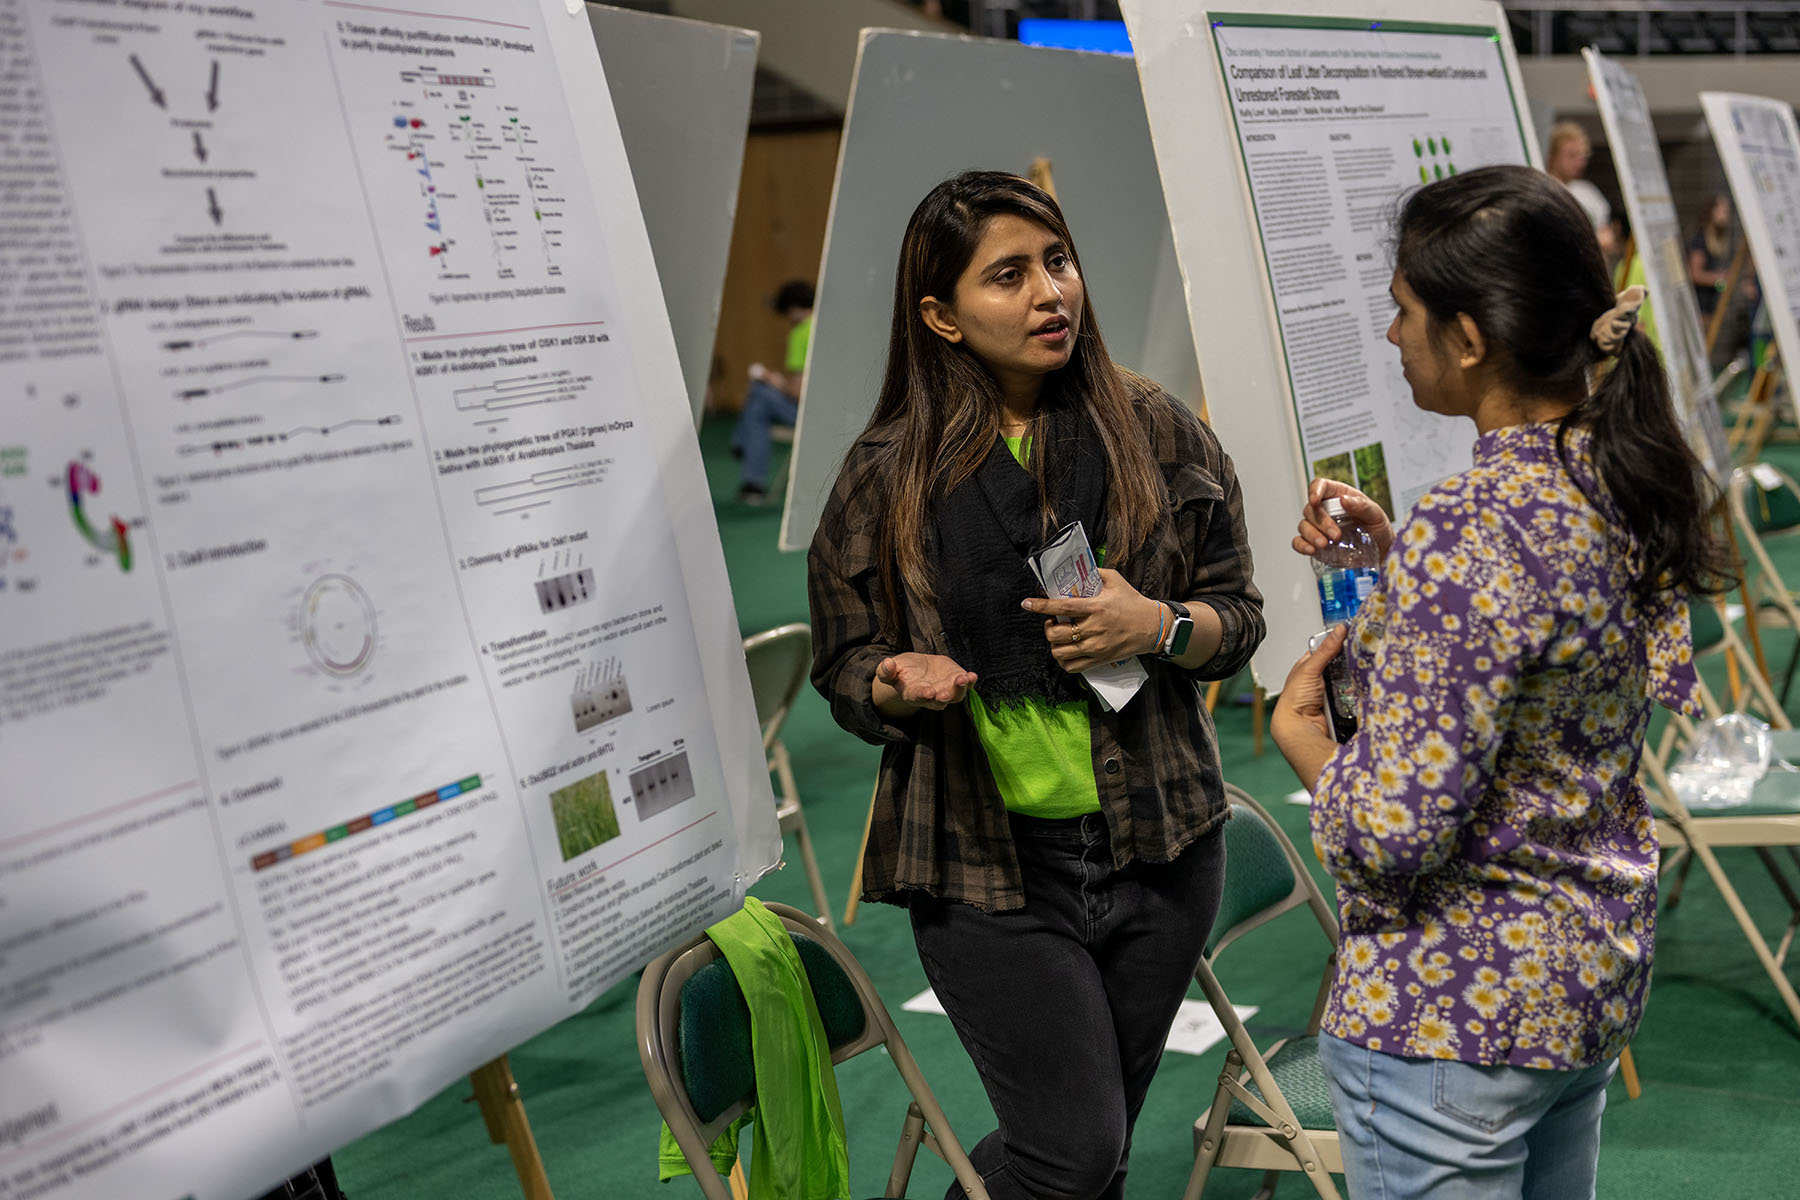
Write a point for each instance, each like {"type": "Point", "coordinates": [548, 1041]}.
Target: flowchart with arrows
{"type": "Point", "coordinates": [196, 125]}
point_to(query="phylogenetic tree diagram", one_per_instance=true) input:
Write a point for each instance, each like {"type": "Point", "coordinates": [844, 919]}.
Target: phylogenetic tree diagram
{"type": "Point", "coordinates": [540, 387]}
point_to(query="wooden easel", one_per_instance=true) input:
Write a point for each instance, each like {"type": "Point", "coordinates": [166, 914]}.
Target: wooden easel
{"type": "Point", "coordinates": [1717, 320]}
{"type": "Point", "coordinates": [1756, 418]}
{"type": "Point", "coordinates": [497, 1095]}
{"type": "Point", "coordinates": [861, 850]}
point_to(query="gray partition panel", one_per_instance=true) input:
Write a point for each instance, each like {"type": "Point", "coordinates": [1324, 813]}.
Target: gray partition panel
{"type": "Point", "coordinates": [682, 92]}
{"type": "Point", "coordinates": [926, 106]}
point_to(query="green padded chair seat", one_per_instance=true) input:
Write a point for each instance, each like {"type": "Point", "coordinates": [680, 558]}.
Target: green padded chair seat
{"type": "Point", "coordinates": [716, 1065]}
{"type": "Point", "coordinates": [1773, 511]}
{"type": "Point", "coordinates": [1301, 1079]}
{"type": "Point", "coordinates": [1775, 794]}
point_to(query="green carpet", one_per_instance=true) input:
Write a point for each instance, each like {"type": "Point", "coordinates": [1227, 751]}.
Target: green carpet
{"type": "Point", "coordinates": [1718, 1056]}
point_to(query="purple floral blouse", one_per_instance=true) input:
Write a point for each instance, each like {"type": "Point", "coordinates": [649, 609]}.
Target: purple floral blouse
{"type": "Point", "coordinates": [1494, 853]}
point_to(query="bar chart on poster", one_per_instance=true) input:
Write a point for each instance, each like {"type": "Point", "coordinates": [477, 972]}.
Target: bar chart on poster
{"type": "Point", "coordinates": [370, 692]}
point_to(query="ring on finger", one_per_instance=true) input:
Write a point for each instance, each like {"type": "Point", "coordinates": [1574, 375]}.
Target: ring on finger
{"type": "Point", "coordinates": [1074, 634]}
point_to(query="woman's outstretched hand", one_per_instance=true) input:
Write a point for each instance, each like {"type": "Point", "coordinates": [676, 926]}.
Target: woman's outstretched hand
{"type": "Point", "coordinates": [1316, 528]}
{"type": "Point", "coordinates": [1114, 623]}
{"type": "Point", "coordinates": [908, 682]}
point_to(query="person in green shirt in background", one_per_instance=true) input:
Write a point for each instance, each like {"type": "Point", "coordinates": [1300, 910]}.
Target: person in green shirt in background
{"type": "Point", "coordinates": [773, 397]}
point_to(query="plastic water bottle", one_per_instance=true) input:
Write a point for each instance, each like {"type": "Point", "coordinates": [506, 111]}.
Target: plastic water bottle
{"type": "Point", "coordinates": [1347, 569]}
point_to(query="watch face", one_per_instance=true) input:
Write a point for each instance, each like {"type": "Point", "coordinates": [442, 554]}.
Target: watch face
{"type": "Point", "coordinates": [1184, 629]}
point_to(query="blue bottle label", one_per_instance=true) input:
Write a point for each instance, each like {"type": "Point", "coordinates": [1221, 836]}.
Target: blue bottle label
{"type": "Point", "coordinates": [1342, 592]}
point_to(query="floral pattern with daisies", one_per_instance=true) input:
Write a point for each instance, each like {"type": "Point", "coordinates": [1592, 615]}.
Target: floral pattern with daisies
{"type": "Point", "coordinates": [1494, 853]}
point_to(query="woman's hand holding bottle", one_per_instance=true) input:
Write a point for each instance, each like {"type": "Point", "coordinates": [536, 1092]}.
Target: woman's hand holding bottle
{"type": "Point", "coordinates": [1317, 528]}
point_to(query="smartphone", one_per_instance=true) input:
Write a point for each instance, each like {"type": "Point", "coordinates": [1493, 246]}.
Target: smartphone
{"type": "Point", "coordinates": [1340, 693]}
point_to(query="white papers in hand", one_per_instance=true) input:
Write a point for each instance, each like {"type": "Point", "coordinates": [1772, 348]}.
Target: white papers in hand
{"type": "Point", "coordinates": [1066, 567]}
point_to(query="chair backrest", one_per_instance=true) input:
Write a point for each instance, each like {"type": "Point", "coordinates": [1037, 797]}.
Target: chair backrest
{"type": "Point", "coordinates": [713, 1035]}
{"type": "Point", "coordinates": [694, 1027]}
{"type": "Point", "coordinates": [1706, 624]}
{"type": "Point", "coordinates": [778, 660]}
{"type": "Point", "coordinates": [1264, 876]}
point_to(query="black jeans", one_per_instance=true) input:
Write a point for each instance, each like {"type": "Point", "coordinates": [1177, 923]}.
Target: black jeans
{"type": "Point", "coordinates": [1064, 1004]}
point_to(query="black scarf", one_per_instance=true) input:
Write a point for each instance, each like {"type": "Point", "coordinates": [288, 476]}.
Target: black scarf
{"type": "Point", "coordinates": [983, 531]}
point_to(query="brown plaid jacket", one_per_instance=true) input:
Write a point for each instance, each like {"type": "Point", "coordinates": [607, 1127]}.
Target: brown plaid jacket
{"type": "Point", "coordinates": [939, 824]}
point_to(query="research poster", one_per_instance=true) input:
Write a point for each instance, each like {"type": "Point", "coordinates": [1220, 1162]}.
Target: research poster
{"type": "Point", "coordinates": [1330, 112]}
{"type": "Point", "coordinates": [1657, 237]}
{"type": "Point", "coordinates": [370, 694]}
{"type": "Point", "coordinates": [1335, 121]}
{"type": "Point", "coordinates": [1760, 147]}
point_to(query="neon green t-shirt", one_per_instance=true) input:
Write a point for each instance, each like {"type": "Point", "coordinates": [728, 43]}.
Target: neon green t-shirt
{"type": "Point", "coordinates": [1041, 754]}
{"type": "Point", "coordinates": [798, 337]}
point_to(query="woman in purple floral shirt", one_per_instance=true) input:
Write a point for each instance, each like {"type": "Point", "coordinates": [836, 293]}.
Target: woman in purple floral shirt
{"type": "Point", "coordinates": [1494, 854]}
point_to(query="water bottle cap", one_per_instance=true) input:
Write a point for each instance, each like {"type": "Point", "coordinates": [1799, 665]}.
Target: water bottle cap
{"type": "Point", "coordinates": [1334, 508]}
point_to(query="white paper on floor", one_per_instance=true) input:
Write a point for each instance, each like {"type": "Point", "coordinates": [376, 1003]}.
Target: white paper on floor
{"type": "Point", "coordinates": [1196, 1029]}
{"type": "Point", "coordinates": [1301, 797]}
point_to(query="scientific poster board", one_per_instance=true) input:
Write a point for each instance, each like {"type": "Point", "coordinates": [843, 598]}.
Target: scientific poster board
{"type": "Point", "coordinates": [1760, 147]}
{"type": "Point", "coordinates": [1328, 113]}
{"type": "Point", "coordinates": [1656, 232]}
{"type": "Point", "coordinates": [926, 106]}
{"type": "Point", "coordinates": [681, 90]}
{"type": "Point", "coordinates": [370, 692]}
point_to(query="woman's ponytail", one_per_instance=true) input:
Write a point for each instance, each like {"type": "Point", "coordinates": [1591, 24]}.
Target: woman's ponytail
{"type": "Point", "coordinates": [1657, 484]}
{"type": "Point", "coordinates": [1511, 249]}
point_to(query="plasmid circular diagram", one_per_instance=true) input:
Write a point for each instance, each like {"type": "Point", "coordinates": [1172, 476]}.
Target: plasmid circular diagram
{"type": "Point", "coordinates": [337, 625]}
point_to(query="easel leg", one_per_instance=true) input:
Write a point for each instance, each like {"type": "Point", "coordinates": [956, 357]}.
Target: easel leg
{"type": "Point", "coordinates": [1628, 1071]}
{"type": "Point", "coordinates": [1751, 627]}
{"type": "Point", "coordinates": [498, 1098]}
{"type": "Point", "coordinates": [861, 850]}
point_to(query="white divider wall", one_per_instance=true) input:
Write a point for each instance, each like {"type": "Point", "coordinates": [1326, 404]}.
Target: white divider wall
{"type": "Point", "coordinates": [1231, 299]}
{"type": "Point", "coordinates": [1662, 249]}
{"type": "Point", "coordinates": [1760, 147]}
{"type": "Point", "coordinates": [682, 93]}
{"type": "Point", "coordinates": [926, 106]}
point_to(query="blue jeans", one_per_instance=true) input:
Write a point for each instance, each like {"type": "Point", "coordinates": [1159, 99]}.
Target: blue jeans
{"type": "Point", "coordinates": [1065, 1004]}
{"type": "Point", "coordinates": [1432, 1129]}
{"type": "Point", "coordinates": [765, 406]}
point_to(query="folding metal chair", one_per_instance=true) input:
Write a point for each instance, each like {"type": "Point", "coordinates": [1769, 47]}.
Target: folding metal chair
{"type": "Point", "coordinates": [1272, 1109]}
{"type": "Point", "coordinates": [778, 660]}
{"type": "Point", "coordinates": [1770, 821]}
{"type": "Point", "coordinates": [693, 1032]}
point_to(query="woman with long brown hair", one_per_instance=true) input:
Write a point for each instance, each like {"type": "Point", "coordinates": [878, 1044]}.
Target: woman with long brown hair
{"type": "Point", "coordinates": [1061, 861]}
